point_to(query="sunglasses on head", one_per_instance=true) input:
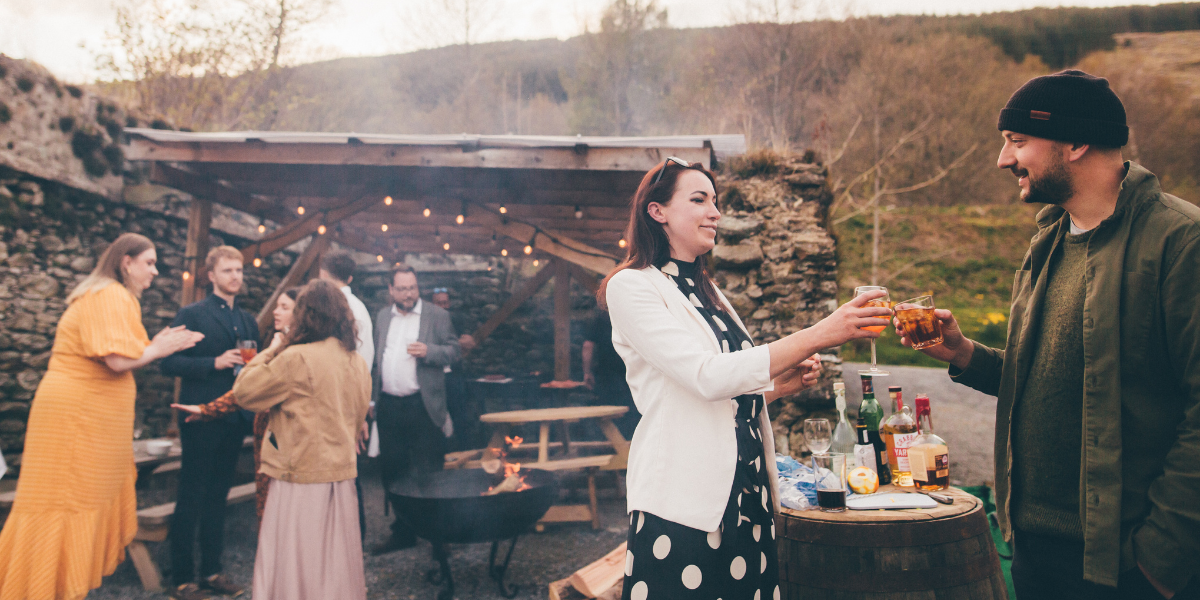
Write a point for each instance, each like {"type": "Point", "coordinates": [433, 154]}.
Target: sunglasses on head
{"type": "Point", "coordinates": [666, 163]}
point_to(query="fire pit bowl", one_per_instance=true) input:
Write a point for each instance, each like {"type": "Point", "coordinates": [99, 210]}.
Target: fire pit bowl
{"type": "Point", "coordinates": [448, 507]}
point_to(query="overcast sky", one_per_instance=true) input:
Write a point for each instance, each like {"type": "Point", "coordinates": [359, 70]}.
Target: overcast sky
{"type": "Point", "coordinates": [62, 34]}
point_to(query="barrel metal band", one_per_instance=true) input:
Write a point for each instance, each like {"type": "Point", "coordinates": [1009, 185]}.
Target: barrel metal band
{"type": "Point", "coordinates": [977, 569]}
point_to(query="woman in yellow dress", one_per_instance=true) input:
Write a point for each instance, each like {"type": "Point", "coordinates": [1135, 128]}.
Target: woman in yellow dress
{"type": "Point", "coordinates": [75, 508]}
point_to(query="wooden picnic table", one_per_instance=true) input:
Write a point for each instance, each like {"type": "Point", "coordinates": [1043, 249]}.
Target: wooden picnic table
{"type": "Point", "coordinates": [503, 422]}
{"type": "Point", "coordinates": [567, 461]}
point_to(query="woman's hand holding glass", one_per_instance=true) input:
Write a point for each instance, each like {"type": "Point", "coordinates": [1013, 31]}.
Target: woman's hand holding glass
{"type": "Point", "coordinates": [851, 320]}
{"type": "Point", "coordinates": [793, 380]}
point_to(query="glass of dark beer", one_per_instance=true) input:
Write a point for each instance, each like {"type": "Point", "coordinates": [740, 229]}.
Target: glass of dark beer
{"type": "Point", "coordinates": [918, 323]}
{"type": "Point", "coordinates": [830, 472]}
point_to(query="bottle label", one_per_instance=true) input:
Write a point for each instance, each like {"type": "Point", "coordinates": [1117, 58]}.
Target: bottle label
{"type": "Point", "coordinates": [928, 458]}
{"type": "Point", "coordinates": [864, 456]}
{"type": "Point", "coordinates": [901, 442]}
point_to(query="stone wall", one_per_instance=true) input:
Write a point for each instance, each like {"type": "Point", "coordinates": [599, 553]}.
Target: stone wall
{"type": "Point", "coordinates": [50, 238]}
{"type": "Point", "coordinates": [775, 261]}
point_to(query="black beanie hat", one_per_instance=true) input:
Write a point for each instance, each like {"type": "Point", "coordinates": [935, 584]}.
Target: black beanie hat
{"type": "Point", "coordinates": [1069, 106]}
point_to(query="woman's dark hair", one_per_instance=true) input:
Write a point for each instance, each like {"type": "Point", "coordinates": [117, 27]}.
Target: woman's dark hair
{"type": "Point", "coordinates": [648, 244]}
{"type": "Point", "coordinates": [322, 312]}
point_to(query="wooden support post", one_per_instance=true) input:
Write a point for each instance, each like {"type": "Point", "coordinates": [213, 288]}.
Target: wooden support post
{"type": "Point", "coordinates": [562, 321]}
{"type": "Point", "coordinates": [199, 222]}
{"type": "Point", "coordinates": [526, 292]}
{"type": "Point", "coordinates": [295, 276]}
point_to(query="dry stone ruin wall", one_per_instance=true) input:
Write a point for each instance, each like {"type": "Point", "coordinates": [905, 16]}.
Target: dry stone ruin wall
{"type": "Point", "coordinates": [776, 262]}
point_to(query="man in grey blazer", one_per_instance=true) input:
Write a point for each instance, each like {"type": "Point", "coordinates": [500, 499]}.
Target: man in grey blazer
{"type": "Point", "coordinates": [414, 342]}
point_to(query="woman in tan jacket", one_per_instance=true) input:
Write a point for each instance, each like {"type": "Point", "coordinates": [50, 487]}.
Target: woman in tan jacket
{"type": "Point", "coordinates": [316, 389]}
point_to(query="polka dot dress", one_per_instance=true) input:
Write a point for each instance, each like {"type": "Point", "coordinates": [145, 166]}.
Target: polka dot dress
{"type": "Point", "coordinates": [666, 560]}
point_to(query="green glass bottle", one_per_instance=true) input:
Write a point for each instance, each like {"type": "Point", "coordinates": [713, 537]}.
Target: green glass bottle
{"type": "Point", "coordinates": [871, 414]}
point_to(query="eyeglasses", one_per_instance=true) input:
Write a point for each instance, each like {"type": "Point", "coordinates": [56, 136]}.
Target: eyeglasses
{"type": "Point", "coordinates": [666, 163]}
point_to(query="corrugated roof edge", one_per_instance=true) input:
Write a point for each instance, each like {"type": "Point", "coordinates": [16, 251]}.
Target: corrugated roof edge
{"type": "Point", "coordinates": [722, 145]}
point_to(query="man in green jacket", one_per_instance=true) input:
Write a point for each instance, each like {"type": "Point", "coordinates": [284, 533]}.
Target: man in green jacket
{"type": "Point", "coordinates": [1098, 416]}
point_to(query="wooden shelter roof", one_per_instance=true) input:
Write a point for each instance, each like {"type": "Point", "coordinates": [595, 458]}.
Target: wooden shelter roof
{"type": "Point", "coordinates": [370, 192]}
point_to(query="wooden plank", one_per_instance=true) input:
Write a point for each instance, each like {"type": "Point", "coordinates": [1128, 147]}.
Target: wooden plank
{"type": "Point", "coordinates": [551, 242]}
{"type": "Point", "coordinates": [147, 570]}
{"type": "Point", "coordinates": [202, 186]}
{"type": "Point", "coordinates": [589, 281]}
{"type": "Point", "coordinates": [294, 277]}
{"type": "Point", "coordinates": [562, 321]}
{"type": "Point", "coordinates": [599, 576]}
{"type": "Point", "coordinates": [196, 250]}
{"type": "Point", "coordinates": [567, 513]}
{"type": "Point", "coordinates": [293, 232]}
{"type": "Point", "coordinates": [592, 158]}
{"type": "Point", "coordinates": [526, 292]}
{"type": "Point", "coordinates": [543, 441]}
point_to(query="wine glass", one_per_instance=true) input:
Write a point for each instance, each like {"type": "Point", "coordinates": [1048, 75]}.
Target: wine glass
{"type": "Point", "coordinates": [883, 301]}
{"type": "Point", "coordinates": [818, 435]}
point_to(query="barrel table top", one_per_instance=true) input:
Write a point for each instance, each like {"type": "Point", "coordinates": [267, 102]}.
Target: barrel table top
{"type": "Point", "coordinates": [963, 503]}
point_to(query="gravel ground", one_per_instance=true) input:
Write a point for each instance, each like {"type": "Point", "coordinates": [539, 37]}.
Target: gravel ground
{"type": "Point", "coordinates": [538, 559]}
{"type": "Point", "coordinates": [965, 418]}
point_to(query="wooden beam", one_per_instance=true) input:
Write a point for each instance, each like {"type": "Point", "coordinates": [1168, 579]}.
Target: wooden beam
{"type": "Point", "coordinates": [593, 158]}
{"type": "Point", "coordinates": [293, 232]}
{"type": "Point", "coordinates": [573, 251]}
{"type": "Point", "coordinates": [562, 320]}
{"type": "Point", "coordinates": [295, 276]}
{"type": "Point", "coordinates": [527, 290]}
{"type": "Point", "coordinates": [589, 281]}
{"type": "Point", "coordinates": [202, 186]}
{"type": "Point", "coordinates": [196, 250]}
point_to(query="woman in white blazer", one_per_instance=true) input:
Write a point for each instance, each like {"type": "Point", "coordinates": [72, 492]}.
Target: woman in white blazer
{"type": "Point", "coordinates": [701, 479]}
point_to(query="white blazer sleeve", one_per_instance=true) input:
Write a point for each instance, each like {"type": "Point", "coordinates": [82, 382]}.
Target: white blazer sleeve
{"type": "Point", "coordinates": [647, 325]}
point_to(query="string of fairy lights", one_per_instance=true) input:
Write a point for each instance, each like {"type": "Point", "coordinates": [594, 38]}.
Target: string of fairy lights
{"type": "Point", "coordinates": [459, 219]}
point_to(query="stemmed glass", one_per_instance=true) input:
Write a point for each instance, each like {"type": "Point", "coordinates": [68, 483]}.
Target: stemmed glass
{"type": "Point", "coordinates": [884, 301]}
{"type": "Point", "coordinates": [818, 435]}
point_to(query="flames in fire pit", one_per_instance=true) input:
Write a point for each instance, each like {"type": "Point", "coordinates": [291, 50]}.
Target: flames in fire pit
{"type": "Point", "coordinates": [513, 481]}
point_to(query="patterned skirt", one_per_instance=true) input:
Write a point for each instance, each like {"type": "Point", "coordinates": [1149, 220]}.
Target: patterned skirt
{"type": "Point", "coordinates": [738, 561]}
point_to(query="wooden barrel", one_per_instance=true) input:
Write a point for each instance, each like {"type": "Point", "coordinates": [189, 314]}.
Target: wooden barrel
{"type": "Point", "coordinates": [944, 553]}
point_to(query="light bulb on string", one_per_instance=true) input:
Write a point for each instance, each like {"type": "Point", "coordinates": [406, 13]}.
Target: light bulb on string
{"type": "Point", "coordinates": [504, 252]}
{"type": "Point", "coordinates": [493, 238]}
{"type": "Point", "coordinates": [383, 227]}
{"type": "Point", "coordinates": [536, 262]}
{"type": "Point", "coordinates": [387, 200]}
{"type": "Point", "coordinates": [379, 258]}
{"type": "Point", "coordinates": [621, 243]}
{"type": "Point", "coordinates": [462, 214]}
{"type": "Point", "coordinates": [321, 230]}
{"type": "Point", "coordinates": [257, 262]}
{"type": "Point", "coordinates": [426, 212]}
{"type": "Point", "coordinates": [446, 246]}
{"type": "Point", "coordinates": [532, 241]}
{"type": "Point", "coordinates": [262, 228]}
{"type": "Point", "coordinates": [503, 209]}
{"type": "Point", "coordinates": [460, 219]}
{"type": "Point", "coordinates": [187, 275]}
{"type": "Point", "coordinates": [578, 213]}
{"type": "Point", "coordinates": [300, 209]}
{"type": "Point", "coordinates": [437, 234]}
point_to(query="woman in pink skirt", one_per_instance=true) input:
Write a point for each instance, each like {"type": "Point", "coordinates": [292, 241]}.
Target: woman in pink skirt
{"type": "Point", "coordinates": [316, 389]}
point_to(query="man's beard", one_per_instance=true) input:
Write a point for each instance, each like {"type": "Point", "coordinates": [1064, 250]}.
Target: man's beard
{"type": "Point", "coordinates": [407, 305]}
{"type": "Point", "coordinates": [1052, 187]}
{"type": "Point", "coordinates": [231, 292]}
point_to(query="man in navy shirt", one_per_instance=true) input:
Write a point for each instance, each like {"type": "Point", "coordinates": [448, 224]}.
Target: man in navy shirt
{"type": "Point", "coordinates": [210, 448]}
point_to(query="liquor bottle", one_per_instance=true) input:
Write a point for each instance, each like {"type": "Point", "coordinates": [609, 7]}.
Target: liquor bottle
{"type": "Point", "coordinates": [843, 434]}
{"type": "Point", "coordinates": [898, 433]}
{"type": "Point", "coordinates": [869, 409]}
{"type": "Point", "coordinates": [928, 456]}
{"type": "Point", "coordinates": [864, 450]}
{"type": "Point", "coordinates": [870, 413]}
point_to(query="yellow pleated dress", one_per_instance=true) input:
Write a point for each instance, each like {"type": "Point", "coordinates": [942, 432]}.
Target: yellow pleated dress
{"type": "Point", "coordinates": [76, 508]}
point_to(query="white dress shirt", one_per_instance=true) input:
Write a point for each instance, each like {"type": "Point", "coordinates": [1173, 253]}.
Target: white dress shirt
{"type": "Point", "coordinates": [362, 321]}
{"type": "Point", "coordinates": [398, 370]}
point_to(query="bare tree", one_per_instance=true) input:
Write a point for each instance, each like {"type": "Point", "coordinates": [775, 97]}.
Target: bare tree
{"type": "Point", "coordinates": [205, 65]}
